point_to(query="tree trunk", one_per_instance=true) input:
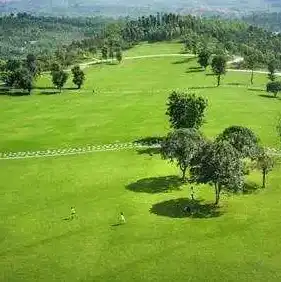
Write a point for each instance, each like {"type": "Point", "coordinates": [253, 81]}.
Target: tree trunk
{"type": "Point", "coordinates": [219, 80]}
{"type": "Point", "coordinates": [218, 191]}
{"type": "Point", "coordinates": [183, 173]}
{"type": "Point", "coordinates": [263, 178]}
{"type": "Point", "coordinates": [252, 76]}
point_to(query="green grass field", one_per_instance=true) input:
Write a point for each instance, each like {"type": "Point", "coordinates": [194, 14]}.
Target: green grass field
{"type": "Point", "coordinates": [238, 242]}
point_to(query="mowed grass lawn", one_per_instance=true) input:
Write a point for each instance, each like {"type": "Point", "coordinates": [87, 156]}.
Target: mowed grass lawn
{"type": "Point", "coordinates": [238, 242]}
{"type": "Point", "coordinates": [129, 103]}
{"type": "Point", "coordinates": [241, 242]}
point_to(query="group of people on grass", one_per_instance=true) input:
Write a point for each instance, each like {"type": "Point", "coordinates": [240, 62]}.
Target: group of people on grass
{"type": "Point", "coordinates": [188, 209]}
{"type": "Point", "coordinates": [73, 215]}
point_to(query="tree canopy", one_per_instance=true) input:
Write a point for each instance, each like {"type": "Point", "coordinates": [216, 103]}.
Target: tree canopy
{"type": "Point", "coordinates": [180, 146]}
{"type": "Point", "coordinates": [186, 110]}
{"type": "Point", "coordinates": [219, 66]}
{"type": "Point", "coordinates": [242, 139]}
{"type": "Point", "coordinates": [218, 163]}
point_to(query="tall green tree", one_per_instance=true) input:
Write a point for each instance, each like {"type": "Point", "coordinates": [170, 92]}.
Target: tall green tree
{"type": "Point", "coordinates": [31, 64]}
{"type": "Point", "coordinates": [242, 139]}
{"type": "Point", "coordinates": [272, 64]}
{"type": "Point", "coordinates": [180, 146]}
{"type": "Point", "coordinates": [24, 79]}
{"type": "Point", "coordinates": [78, 76]}
{"type": "Point", "coordinates": [218, 164]}
{"type": "Point", "coordinates": [119, 55]}
{"type": "Point", "coordinates": [265, 164]}
{"type": "Point", "coordinates": [12, 65]}
{"type": "Point", "coordinates": [186, 110]}
{"type": "Point", "coordinates": [59, 78]}
{"type": "Point", "coordinates": [273, 87]}
{"type": "Point", "coordinates": [251, 59]}
{"type": "Point", "coordinates": [204, 58]}
{"type": "Point", "coordinates": [111, 53]}
{"type": "Point", "coordinates": [219, 67]}
{"type": "Point", "coordinates": [104, 52]}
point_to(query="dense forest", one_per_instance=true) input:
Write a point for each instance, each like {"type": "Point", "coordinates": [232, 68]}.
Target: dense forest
{"type": "Point", "coordinates": [22, 34]}
{"type": "Point", "coordinates": [269, 21]}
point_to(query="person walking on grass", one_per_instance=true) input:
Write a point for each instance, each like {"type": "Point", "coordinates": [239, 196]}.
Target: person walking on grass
{"type": "Point", "coordinates": [72, 213]}
{"type": "Point", "coordinates": [122, 218]}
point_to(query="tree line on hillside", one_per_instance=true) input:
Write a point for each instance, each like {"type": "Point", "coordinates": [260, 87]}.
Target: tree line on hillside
{"type": "Point", "coordinates": [43, 35]}
{"type": "Point", "coordinates": [269, 21]}
{"type": "Point", "coordinates": [196, 33]}
{"type": "Point", "coordinates": [222, 162]}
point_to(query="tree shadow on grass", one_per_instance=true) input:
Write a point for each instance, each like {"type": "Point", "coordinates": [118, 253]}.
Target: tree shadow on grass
{"type": "Point", "coordinates": [251, 188]}
{"type": "Point", "coordinates": [184, 207]}
{"type": "Point", "coordinates": [70, 88]}
{"type": "Point", "coordinates": [269, 96]}
{"type": "Point", "coordinates": [257, 90]}
{"type": "Point", "coordinates": [49, 92]}
{"type": "Point", "coordinates": [116, 224]}
{"type": "Point", "coordinates": [194, 70]}
{"type": "Point", "coordinates": [162, 184]}
{"type": "Point", "coordinates": [210, 74]}
{"type": "Point", "coordinates": [44, 87]}
{"type": "Point", "coordinates": [149, 151]}
{"type": "Point", "coordinates": [203, 87]}
{"type": "Point", "coordinates": [154, 140]}
{"type": "Point", "coordinates": [235, 84]}
{"type": "Point", "coordinates": [183, 61]}
{"type": "Point", "coordinates": [13, 93]}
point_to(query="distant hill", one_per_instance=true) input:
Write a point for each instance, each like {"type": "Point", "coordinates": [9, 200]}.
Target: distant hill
{"type": "Point", "coordinates": [270, 21]}
{"type": "Point", "coordinates": [137, 7]}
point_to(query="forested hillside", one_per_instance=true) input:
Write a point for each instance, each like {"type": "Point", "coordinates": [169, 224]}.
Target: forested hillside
{"type": "Point", "coordinates": [22, 33]}
{"type": "Point", "coordinates": [270, 21]}
{"type": "Point", "coordinates": [105, 38]}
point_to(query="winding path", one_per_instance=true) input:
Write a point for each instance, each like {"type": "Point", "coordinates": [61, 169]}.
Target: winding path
{"type": "Point", "coordinates": [235, 60]}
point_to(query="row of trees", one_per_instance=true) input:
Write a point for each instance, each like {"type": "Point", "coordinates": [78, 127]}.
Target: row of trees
{"type": "Point", "coordinates": [22, 74]}
{"type": "Point", "coordinates": [222, 162]}
{"type": "Point", "coordinates": [60, 77]}
{"type": "Point", "coordinates": [219, 64]}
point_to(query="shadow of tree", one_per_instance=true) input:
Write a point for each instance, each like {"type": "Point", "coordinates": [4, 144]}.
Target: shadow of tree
{"type": "Point", "coordinates": [183, 61]}
{"type": "Point", "coordinates": [154, 140]}
{"type": "Point", "coordinates": [194, 70]}
{"type": "Point", "coordinates": [235, 83]}
{"type": "Point", "coordinates": [202, 87]}
{"type": "Point", "coordinates": [184, 207]}
{"type": "Point", "coordinates": [49, 92]}
{"type": "Point", "coordinates": [257, 90]}
{"type": "Point", "coordinates": [44, 87]}
{"type": "Point", "coordinates": [210, 74]}
{"type": "Point", "coordinates": [13, 93]}
{"type": "Point", "coordinates": [251, 188]}
{"type": "Point", "coordinates": [149, 151]}
{"type": "Point", "coordinates": [162, 184]}
{"type": "Point", "coordinates": [269, 96]}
